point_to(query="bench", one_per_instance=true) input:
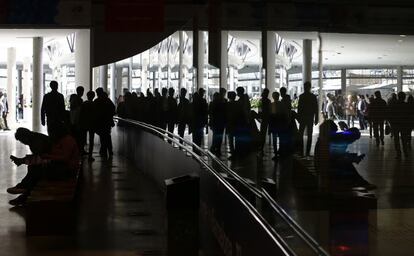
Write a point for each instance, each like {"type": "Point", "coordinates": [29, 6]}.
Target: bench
{"type": "Point", "coordinates": [307, 175]}
{"type": "Point", "coordinates": [51, 207]}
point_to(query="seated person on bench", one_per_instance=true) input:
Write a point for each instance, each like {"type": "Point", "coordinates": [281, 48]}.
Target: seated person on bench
{"type": "Point", "coordinates": [39, 144]}
{"type": "Point", "coordinates": [60, 163]}
{"type": "Point", "coordinates": [332, 157]}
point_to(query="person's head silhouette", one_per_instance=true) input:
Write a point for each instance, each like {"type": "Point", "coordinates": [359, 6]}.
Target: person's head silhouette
{"type": "Point", "coordinates": [100, 92]}
{"type": "Point", "coordinates": [265, 93]}
{"type": "Point", "coordinates": [401, 96]}
{"type": "Point", "coordinates": [183, 92]}
{"type": "Point", "coordinates": [307, 86]}
{"type": "Point", "coordinates": [90, 95]}
{"type": "Point", "coordinates": [23, 135]}
{"type": "Point", "coordinates": [240, 91]}
{"type": "Point", "coordinates": [283, 91]}
{"type": "Point", "coordinates": [171, 92]}
{"type": "Point", "coordinates": [201, 92]}
{"type": "Point", "coordinates": [231, 95]}
{"type": "Point", "coordinates": [164, 92]}
{"type": "Point", "coordinates": [377, 94]}
{"type": "Point", "coordinates": [80, 90]}
{"type": "Point", "coordinates": [275, 96]}
{"type": "Point", "coordinates": [222, 92]}
{"type": "Point", "coordinates": [54, 85]}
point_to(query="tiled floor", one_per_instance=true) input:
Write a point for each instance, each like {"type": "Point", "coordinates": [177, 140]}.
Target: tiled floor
{"type": "Point", "coordinates": [121, 212]}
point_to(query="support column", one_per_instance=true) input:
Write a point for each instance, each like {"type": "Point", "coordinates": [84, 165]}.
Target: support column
{"type": "Point", "coordinates": [224, 59]}
{"type": "Point", "coordinates": [119, 88]}
{"type": "Point", "coordinates": [343, 82]}
{"type": "Point", "coordinates": [144, 74]}
{"type": "Point", "coordinates": [19, 82]}
{"type": "Point", "coordinates": [27, 87]}
{"type": "Point", "coordinates": [320, 65]}
{"type": "Point", "coordinates": [399, 79]}
{"type": "Point", "coordinates": [307, 61]}
{"type": "Point", "coordinates": [11, 86]}
{"type": "Point", "coordinates": [112, 94]}
{"type": "Point", "coordinates": [103, 77]}
{"type": "Point", "coordinates": [83, 70]}
{"type": "Point", "coordinates": [180, 59]}
{"type": "Point", "coordinates": [270, 60]}
{"type": "Point", "coordinates": [130, 64]}
{"type": "Point", "coordinates": [37, 82]}
{"type": "Point", "coordinates": [200, 60]}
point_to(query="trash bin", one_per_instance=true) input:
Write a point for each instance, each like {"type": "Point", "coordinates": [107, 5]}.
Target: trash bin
{"type": "Point", "coordinates": [182, 199]}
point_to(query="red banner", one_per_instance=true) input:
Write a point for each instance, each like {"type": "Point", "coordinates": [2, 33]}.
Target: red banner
{"type": "Point", "coordinates": [134, 16]}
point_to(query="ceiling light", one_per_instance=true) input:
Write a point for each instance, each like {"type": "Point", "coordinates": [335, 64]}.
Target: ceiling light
{"type": "Point", "coordinates": [400, 41]}
{"type": "Point", "coordinates": [403, 36]}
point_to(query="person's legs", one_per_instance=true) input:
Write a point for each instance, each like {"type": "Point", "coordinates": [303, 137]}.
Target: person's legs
{"type": "Point", "coordinates": [396, 137]}
{"type": "Point", "coordinates": [109, 141]}
{"type": "Point", "coordinates": [274, 142]}
{"type": "Point", "coordinates": [309, 129]}
{"type": "Point", "coordinates": [405, 140]}
{"type": "Point", "coordinates": [381, 131]}
{"type": "Point", "coordinates": [231, 142]}
{"type": "Point", "coordinates": [263, 131]}
{"type": "Point", "coordinates": [181, 130]}
{"type": "Point", "coordinates": [376, 126]}
{"type": "Point", "coordinates": [348, 120]}
{"type": "Point", "coordinates": [370, 128]}
{"type": "Point", "coordinates": [302, 127]}
{"type": "Point", "coordinates": [91, 143]}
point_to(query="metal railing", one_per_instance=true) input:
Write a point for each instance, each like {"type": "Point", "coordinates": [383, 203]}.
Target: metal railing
{"type": "Point", "coordinates": [201, 155]}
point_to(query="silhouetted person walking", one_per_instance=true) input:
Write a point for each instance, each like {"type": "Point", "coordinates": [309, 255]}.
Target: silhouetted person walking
{"type": "Point", "coordinates": [75, 103]}
{"type": "Point", "coordinates": [217, 111]}
{"type": "Point", "coordinates": [87, 123]}
{"type": "Point", "coordinates": [264, 114]}
{"type": "Point", "coordinates": [231, 121]}
{"type": "Point", "coordinates": [275, 122]}
{"type": "Point", "coordinates": [308, 115]}
{"type": "Point", "coordinates": [105, 110]}
{"type": "Point", "coordinates": [400, 124]}
{"type": "Point", "coordinates": [377, 114]}
{"type": "Point", "coordinates": [53, 108]}
{"type": "Point", "coordinates": [171, 110]}
{"type": "Point", "coordinates": [163, 109]}
{"type": "Point", "coordinates": [199, 109]}
{"type": "Point", "coordinates": [183, 112]}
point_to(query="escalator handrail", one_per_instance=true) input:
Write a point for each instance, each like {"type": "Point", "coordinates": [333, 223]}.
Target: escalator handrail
{"type": "Point", "coordinates": [207, 153]}
{"type": "Point", "coordinates": [252, 210]}
{"type": "Point", "coordinates": [259, 193]}
{"type": "Point", "coordinates": [299, 230]}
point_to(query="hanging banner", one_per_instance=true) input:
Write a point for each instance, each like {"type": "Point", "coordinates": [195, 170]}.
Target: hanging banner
{"type": "Point", "coordinates": [134, 16]}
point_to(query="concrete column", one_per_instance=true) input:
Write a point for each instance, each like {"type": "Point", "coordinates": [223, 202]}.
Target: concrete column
{"type": "Point", "coordinates": [307, 61]}
{"type": "Point", "coordinates": [144, 75]}
{"type": "Point", "coordinates": [19, 82]}
{"type": "Point", "coordinates": [130, 64]}
{"type": "Point", "coordinates": [103, 77]}
{"type": "Point", "coordinates": [118, 76]}
{"type": "Point", "coordinates": [343, 82]}
{"type": "Point", "coordinates": [224, 59]}
{"type": "Point", "coordinates": [37, 82]}
{"type": "Point", "coordinates": [112, 94]}
{"type": "Point", "coordinates": [271, 61]}
{"type": "Point", "coordinates": [95, 81]}
{"type": "Point", "coordinates": [11, 86]}
{"type": "Point", "coordinates": [399, 79]}
{"type": "Point", "coordinates": [200, 62]}
{"type": "Point", "coordinates": [320, 65]}
{"type": "Point", "coordinates": [180, 59]}
{"type": "Point", "coordinates": [83, 70]}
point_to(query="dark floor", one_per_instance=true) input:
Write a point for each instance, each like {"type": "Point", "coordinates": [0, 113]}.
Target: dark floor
{"type": "Point", "coordinates": [386, 230]}
{"type": "Point", "coordinates": [121, 212]}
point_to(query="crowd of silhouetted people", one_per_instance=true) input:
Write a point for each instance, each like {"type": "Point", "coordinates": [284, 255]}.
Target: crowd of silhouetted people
{"type": "Point", "coordinates": [57, 155]}
{"type": "Point", "coordinates": [394, 116]}
{"type": "Point", "coordinates": [228, 114]}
